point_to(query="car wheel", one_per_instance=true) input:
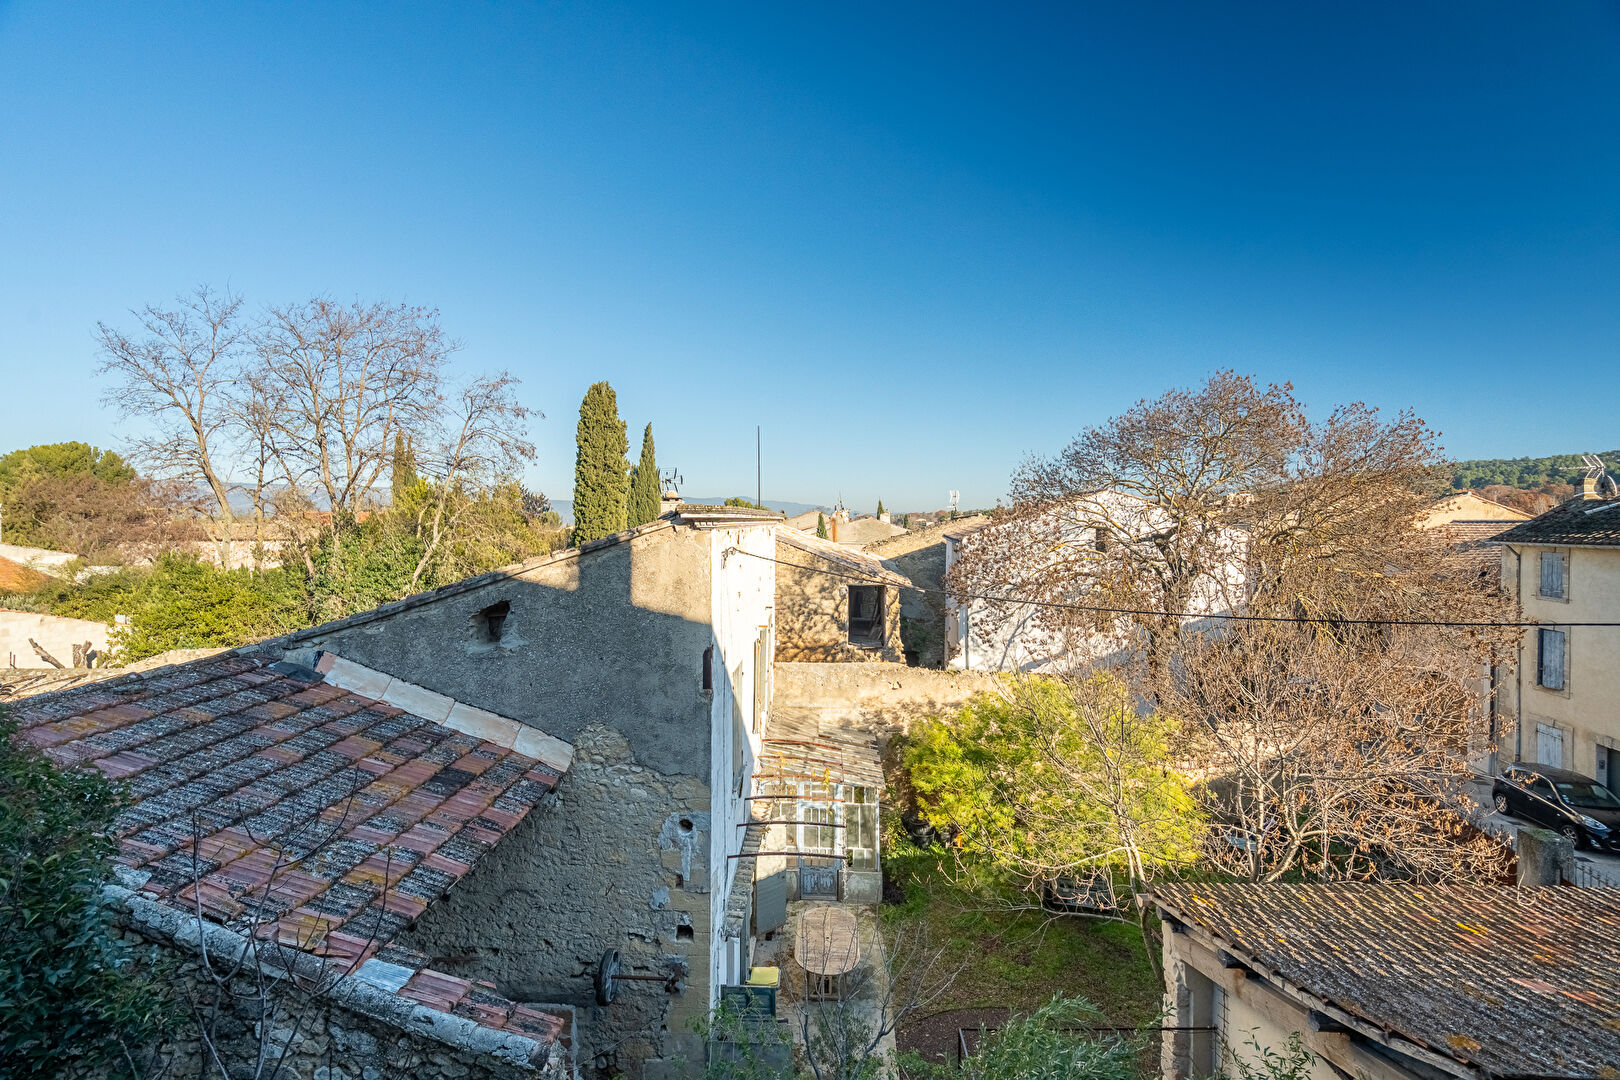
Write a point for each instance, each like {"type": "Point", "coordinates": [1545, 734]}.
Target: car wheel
{"type": "Point", "coordinates": [1572, 834]}
{"type": "Point", "coordinates": [1501, 804]}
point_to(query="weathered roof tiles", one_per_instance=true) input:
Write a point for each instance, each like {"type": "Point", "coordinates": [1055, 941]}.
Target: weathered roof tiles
{"type": "Point", "coordinates": [1511, 981]}
{"type": "Point", "coordinates": [285, 807]}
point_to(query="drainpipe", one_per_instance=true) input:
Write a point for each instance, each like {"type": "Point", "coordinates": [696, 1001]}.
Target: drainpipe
{"type": "Point", "coordinates": [1518, 656]}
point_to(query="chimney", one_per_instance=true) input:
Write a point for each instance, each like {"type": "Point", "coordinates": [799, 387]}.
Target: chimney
{"type": "Point", "coordinates": [884, 517]}
{"type": "Point", "coordinates": [1545, 858]}
{"type": "Point", "coordinates": [1589, 488]}
{"type": "Point", "coordinates": [832, 528]}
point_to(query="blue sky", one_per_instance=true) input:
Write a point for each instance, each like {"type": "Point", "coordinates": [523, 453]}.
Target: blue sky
{"type": "Point", "coordinates": [915, 242]}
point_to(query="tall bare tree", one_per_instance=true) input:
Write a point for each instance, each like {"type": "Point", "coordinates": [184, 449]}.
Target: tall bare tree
{"type": "Point", "coordinates": [176, 373]}
{"type": "Point", "coordinates": [344, 381]}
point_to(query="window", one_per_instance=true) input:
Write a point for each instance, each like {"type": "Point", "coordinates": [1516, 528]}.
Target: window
{"type": "Point", "coordinates": [708, 668]}
{"type": "Point", "coordinates": [1550, 654]}
{"type": "Point", "coordinates": [1553, 567]}
{"type": "Point", "coordinates": [1540, 788]}
{"type": "Point", "coordinates": [866, 615]}
{"type": "Point", "coordinates": [1549, 751]}
{"type": "Point", "coordinates": [490, 623]}
{"type": "Point", "coordinates": [1099, 541]}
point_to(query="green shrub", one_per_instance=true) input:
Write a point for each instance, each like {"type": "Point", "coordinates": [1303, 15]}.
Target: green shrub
{"type": "Point", "coordinates": [74, 998]}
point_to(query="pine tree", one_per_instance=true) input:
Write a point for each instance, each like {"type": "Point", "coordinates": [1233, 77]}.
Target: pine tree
{"type": "Point", "coordinates": [821, 525]}
{"type": "Point", "coordinates": [644, 494]}
{"type": "Point", "coordinates": [404, 468]}
{"type": "Point", "coordinates": [601, 477]}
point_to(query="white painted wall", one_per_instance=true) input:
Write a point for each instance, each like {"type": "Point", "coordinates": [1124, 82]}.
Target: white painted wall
{"type": "Point", "coordinates": [743, 597]}
{"type": "Point", "coordinates": [55, 633]}
{"type": "Point", "coordinates": [44, 560]}
{"type": "Point", "coordinates": [1019, 643]}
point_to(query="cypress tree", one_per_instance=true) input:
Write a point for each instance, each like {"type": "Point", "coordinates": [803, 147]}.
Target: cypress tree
{"type": "Point", "coordinates": [644, 494]}
{"type": "Point", "coordinates": [880, 508]}
{"type": "Point", "coordinates": [404, 468]}
{"type": "Point", "coordinates": [601, 477]}
{"type": "Point", "coordinates": [821, 525]}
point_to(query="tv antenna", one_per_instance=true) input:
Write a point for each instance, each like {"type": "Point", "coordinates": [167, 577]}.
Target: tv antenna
{"type": "Point", "coordinates": [670, 480]}
{"type": "Point", "coordinates": [1595, 470]}
{"type": "Point", "coordinates": [956, 497]}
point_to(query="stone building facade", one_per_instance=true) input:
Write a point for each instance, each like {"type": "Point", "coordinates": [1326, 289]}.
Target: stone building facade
{"type": "Point", "coordinates": [834, 603]}
{"type": "Point", "coordinates": [642, 650]}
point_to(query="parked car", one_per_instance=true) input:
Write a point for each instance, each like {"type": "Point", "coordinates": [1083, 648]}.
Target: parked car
{"type": "Point", "coordinates": [1579, 807]}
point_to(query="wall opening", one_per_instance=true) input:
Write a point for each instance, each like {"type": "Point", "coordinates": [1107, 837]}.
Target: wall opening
{"type": "Point", "coordinates": [490, 623]}
{"type": "Point", "coordinates": [708, 668]}
{"type": "Point", "coordinates": [866, 615]}
{"type": "Point", "coordinates": [683, 933]}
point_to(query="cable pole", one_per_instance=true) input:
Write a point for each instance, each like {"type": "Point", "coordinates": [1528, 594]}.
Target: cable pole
{"type": "Point", "coordinates": [759, 483]}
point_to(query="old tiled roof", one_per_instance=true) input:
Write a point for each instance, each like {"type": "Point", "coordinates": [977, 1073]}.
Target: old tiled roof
{"type": "Point", "coordinates": [1473, 543]}
{"type": "Point", "coordinates": [1515, 982]}
{"type": "Point", "coordinates": [284, 806]}
{"type": "Point", "coordinates": [843, 559]}
{"type": "Point", "coordinates": [1576, 523]}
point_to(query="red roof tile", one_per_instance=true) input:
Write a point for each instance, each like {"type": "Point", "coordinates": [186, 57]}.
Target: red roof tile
{"type": "Point", "coordinates": [298, 810]}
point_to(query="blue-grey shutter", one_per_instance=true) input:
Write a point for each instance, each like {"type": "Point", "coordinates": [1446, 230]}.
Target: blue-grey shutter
{"type": "Point", "coordinates": [1551, 674]}
{"type": "Point", "coordinates": [1552, 574]}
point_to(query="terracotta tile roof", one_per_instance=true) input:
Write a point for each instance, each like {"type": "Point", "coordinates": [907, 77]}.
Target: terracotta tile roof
{"type": "Point", "coordinates": [1516, 982]}
{"type": "Point", "coordinates": [845, 559]}
{"type": "Point", "coordinates": [1578, 522]}
{"type": "Point", "coordinates": [284, 806]}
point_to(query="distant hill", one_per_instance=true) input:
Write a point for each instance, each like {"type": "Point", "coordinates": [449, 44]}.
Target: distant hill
{"type": "Point", "coordinates": [1526, 472]}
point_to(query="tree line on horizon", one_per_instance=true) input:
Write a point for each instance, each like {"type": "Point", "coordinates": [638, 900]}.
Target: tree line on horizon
{"type": "Point", "coordinates": [1526, 473]}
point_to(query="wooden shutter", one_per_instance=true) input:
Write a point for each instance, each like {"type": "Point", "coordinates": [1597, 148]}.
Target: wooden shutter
{"type": "Point", "coordinates": [1551, 673]}
{"type": "Point", "coordinates": [1552, 574]}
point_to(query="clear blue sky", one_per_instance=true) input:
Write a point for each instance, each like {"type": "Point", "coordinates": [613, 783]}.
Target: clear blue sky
{"type": "Point", "coordinates": [915, 242]}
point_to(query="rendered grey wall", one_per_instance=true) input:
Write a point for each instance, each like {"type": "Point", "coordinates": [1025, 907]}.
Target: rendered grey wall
{"type": "Point", "coordinates": [613, 637]}
{"type": "Point", "coordinates": [605, 651]}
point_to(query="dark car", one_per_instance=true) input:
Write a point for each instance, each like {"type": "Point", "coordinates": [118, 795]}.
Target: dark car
{"type": "Point", "coordinates": [1579, 807]}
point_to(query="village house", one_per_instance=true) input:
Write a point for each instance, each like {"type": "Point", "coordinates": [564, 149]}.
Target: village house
{"type": "Point", "coordinates": [987, 634]}
{"type": "Point", "coordinates": [1392, 981]}
{"type": "Point", "coordinates": [1563, 568]}
{"type": "Point", "coordinates": [581, 730]}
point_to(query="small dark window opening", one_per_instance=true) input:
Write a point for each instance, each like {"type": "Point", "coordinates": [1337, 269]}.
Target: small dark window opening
{"type": "Point", "coordinates": [683, 933]}
{"type": "Point", "coordinates": [491, 622]}
{"type": "Point", "coordinates": [708, 668]}
{"type": "Point", "coordinates": [1100, 538]}
{"type": "Point", "coordinates": [866, 614]}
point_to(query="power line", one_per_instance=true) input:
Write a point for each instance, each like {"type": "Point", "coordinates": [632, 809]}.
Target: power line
{"type": "Point", "coordinates": [1227, 616]}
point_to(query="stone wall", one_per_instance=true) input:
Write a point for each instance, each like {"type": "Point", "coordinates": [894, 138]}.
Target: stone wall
{"type": "Point", "coordinates": [883, 699]}
{"type": "Point", "coordinates": [619, 861]}
{"type": "Point", "coordinates": [55, 633]}
{"type": "Point", "coordinates": [812, 613]}
{"type": "Point", "coordinates": [605, 647]}
{"type": "Point", "coordinates": [257, 1006]}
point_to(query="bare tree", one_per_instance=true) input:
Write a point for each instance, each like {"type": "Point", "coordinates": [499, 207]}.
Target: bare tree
{"type": "Point", "coordinates": [1136, 513]}
{"type": "Point", "coordinates": [1338, 751]}
{"type": "Point", "coordinates": [339, 382]}
{"type": "Point", "coordinates": [485, 444]}
{"type": "Point", "coordinates": [176, 375]}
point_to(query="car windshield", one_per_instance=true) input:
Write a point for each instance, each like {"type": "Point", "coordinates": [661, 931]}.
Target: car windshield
{"type": "Point", "coordinates": [1589, 796]}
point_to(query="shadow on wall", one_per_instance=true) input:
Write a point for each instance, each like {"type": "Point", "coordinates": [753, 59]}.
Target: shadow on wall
{"type": "Point", "coordinates": [610, 650]}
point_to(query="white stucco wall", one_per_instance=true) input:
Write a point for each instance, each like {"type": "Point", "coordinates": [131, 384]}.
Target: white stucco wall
{"type": "Point", "coordinates": [743, 598]}
{"type": "Point", "coordinates": [56, 634]}
{"type": "Point", "coordinates": [1014, 640]}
